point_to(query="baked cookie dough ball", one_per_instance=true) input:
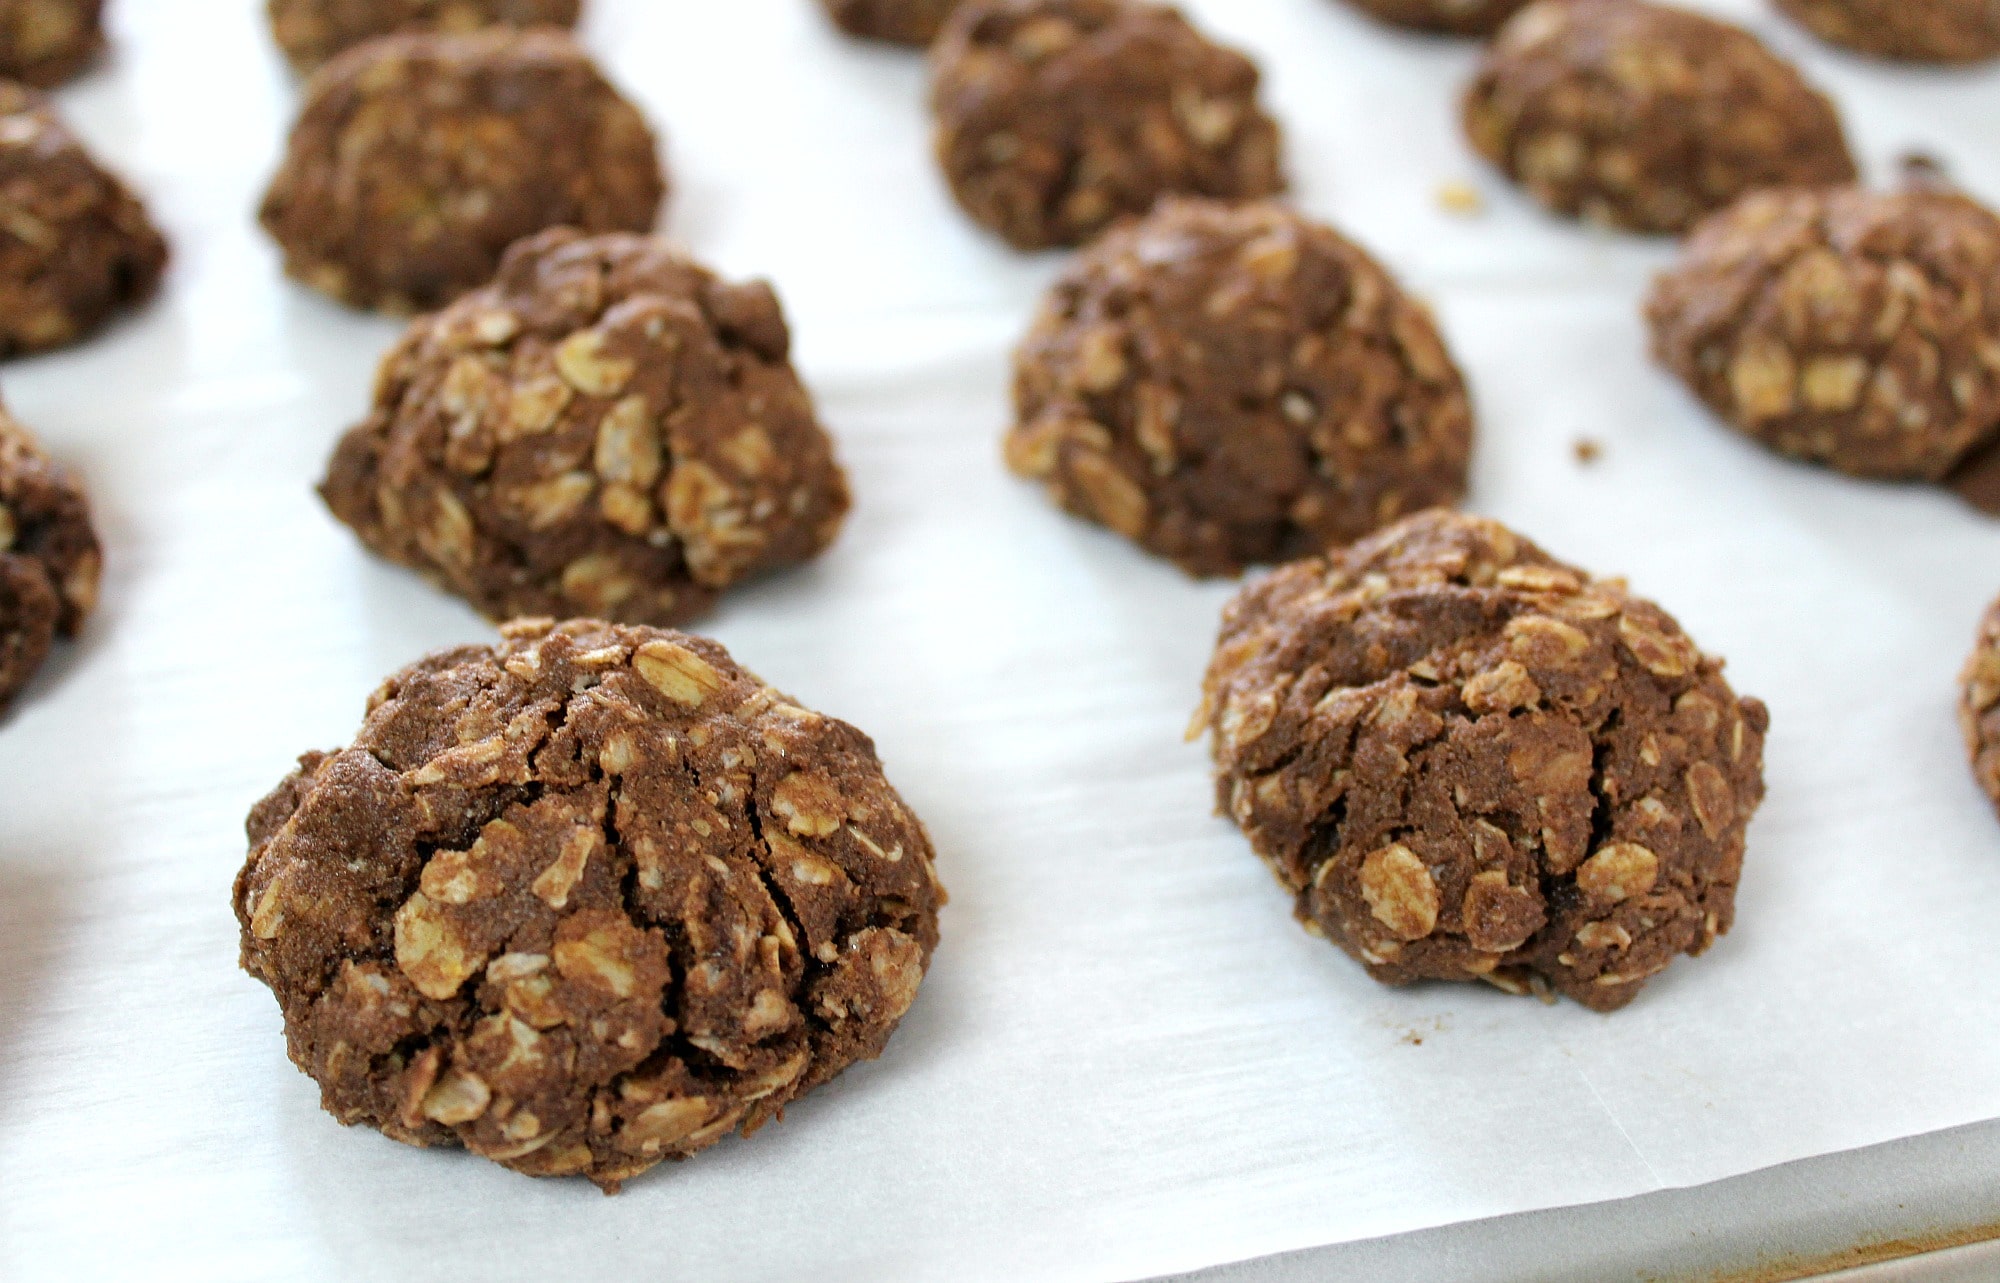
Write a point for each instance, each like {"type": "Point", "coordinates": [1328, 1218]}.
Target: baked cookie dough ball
{"type": "Point", "coordinates": [1234, 384]}
{"type": "Point", "coordinates": [311, 31]}
{"type": "Point", "coordinates": [76, 246]}
{"type": "Point", "coordinates": [1054, 117]}
{"type": "Point", "coordinates": [907, 22]}
{"type": "Point", "coordinates": [418, 159]}
{"type": "Point", "coordinates": [1855, 329]}
{"type": "Point", "coordinates": [1979, 709]}
{"type": "Point", "coordinates": [49, 558]}
{"type": "Point", "coordinates": [1469, 761]}
{"type": "Point", "coordinates": [45, 42]}
{"type": "Point", "coordinates": [607, 429]}
{"type": "Point", "coordinates": [1911, 30]}
{"type": "Point", "coordinates": [1452, 17]}
{"type": "Point", "coordinates": [1646, 117]}
{"type": "Point", "coordinates": [583, 901]}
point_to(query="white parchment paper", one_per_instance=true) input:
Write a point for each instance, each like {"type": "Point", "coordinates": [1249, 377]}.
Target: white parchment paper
{"type": "Point", "coordinates": [1127, 1059]}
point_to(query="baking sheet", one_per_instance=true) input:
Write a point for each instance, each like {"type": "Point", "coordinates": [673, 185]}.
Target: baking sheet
{"type": "Point", "coordinates": [1127, 1060]}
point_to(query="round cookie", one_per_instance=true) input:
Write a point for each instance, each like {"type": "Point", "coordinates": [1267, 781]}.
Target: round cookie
{"type": "Point", "coordinates": [1451, 17]}
{"type": "Point", "coordinates": [607, 429]}
{"type": "Point", "coordinates": [76, 246]}
{"type": "Point", "coordinates": [311, 31]}
{"type": "Point", "coordinates": [1855, 329]}
{"type": "Point", "coordinates": [1646, 117]}
{"type": "Point", "coordinates": [906, 22]}
{"type": "Point", "coordinates": [1910, 30]}
{"type": "Point", "coordinates": [1469, 761]}
{"type": "Point", "coordinates": [418, 159]}
{"type": "Point", "coordinates": [49, 556]}
{"type": "Point", "coordinates": [1228, 385]}
{"type": "Point", "coordinates": [45, 42]}
{"type": "Point", "coordinates": [1979, 705]}
{"type": "Point", "coordinates": [584, 901]}
{"type": "Point", "coordinates": [1054, 117]}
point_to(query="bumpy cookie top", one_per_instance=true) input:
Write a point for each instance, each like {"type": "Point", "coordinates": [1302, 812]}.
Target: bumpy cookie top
{"type": "Point", "coordinates": [1454, 17]}
{"type": "Point", "coordinates": [1237, 384]}
{"type": "Point", "coordinates": [311, 31]}
{"type": "Point", "coordinates": [607, 429]}
{"type": "Point", "coordinates": [909, 22]}
{"type": "Point", "coordinates": [1916, 30]}
{"type": "Point", "coordinates": [1852, 328]}
{"type": "Point", "coordinates": [49, 557]}
{"type": "Point", "coordinates": [1054, 117]}
{"type": "Point", "coordinates": [586, 900]}
{"type": "Point", "coordinates": [418, 159]}
{"type": "Point", "coordinates": [45, 42]}
{"type": "Point", "coordinates": [1979, 709]}
{"type": "Point", "coordinates": [1644, 116]}
{"type": "Point", "coordinates": [76, 245]}
{"type": "Point", "coordinates": [1470, 761]}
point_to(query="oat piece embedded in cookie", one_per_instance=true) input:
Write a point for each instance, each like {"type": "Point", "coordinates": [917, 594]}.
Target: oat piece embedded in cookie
{"type": "Point", "coordinates": [49, 557]}
{"type": "Point", "coordinates": [1451, 17]}
{"type": "Point", "coordinates": [1979, 705]}
{"type": "Point", "coordinates": [907, 22]}
{"type": "Point", "coordinates": [1646, 117]}
{"type": "Point", "coordinates": [1469, 761]}
{"type": "Point", "coordinates": [584, 901]}
{"type": "Point", "coordinates": [418, 159]}
{"type": "Point", "coordinates": [311, 31]}
{"type": "Point", "coordinates": [1229, 385]}
{"type": "Point", "coordinates": [76, 246]}
{"type": "Point", "coordinates": [1855, 329]}
{"type": "Point", "coordinates": [608, 429]}
{"type": "Point", "coordinates": [1910, 30]}
{"type": "Point", "coordinates": [45, 42]}
{"type": "Point", "coordinates": [1054, 117]}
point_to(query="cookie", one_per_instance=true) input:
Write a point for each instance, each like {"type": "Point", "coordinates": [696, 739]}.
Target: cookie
{"type": "Point", "coordinates": [1979, 705]}
{"type": "Point", "coordinates": [905, 22]}
{"type": "Point", "coordinates": [1910, 30]}
{"type": "Point", "coordinates": [1469, 761]}
{"type": "Point", "coordinates": [1054, 117]}
{"type": "Point", "coordinates": [584, 901]}
{"type": "Point", "coordinates": [1228, 385]}
{"type": "Point", "coordinates": [49, 556]}
{"type": "Point", "coordinates": [1850, 328]}
{"type": "Point", "coordinates": [311, 31]}
{"type": "Point", "coordinates": [607, 429]}
{"type": "Point", "coordinates": [1645, 117]}
{"type": "Point", "coordinates": [45, 42]}
{"type": "Point", "coordinates": [1451, 17]}
{"type": "Point", "coordinates": [76, 246]}
{"type": "Point", "coordinates": [418, 159]}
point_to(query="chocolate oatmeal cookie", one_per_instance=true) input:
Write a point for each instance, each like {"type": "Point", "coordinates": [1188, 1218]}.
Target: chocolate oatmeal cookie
{"type": "Point", "coordinates": [907, 22]}
{"type": "Point", "coordinates": [418, 159]}
{"type": "Point", "coordinates": [1910, 30]}
{"type": "Point", "coordinates": [1469, 761]}
{"type": "Point", "coordinates": [1229, 385]}
{"type": "Point", "coordinates": [49, 558]}
{"type": "Point", "coordinates": [607, 429]}
{"type": "Point", "coordinates": [76, 246]}
{"type": "Point", "coordinates": [1054, 117]}
{"type": "Point", "coordinates": [45, 42]}
{"type": "Point", "coordinates": [1856, 329]}
{"type": "Point", "coordinates": [1646, 117]}
{"type": "Point", "coordinates": [1452, 17]}
{"type": "Point", "coordinates": [587, 900]}
{"type": "Point", "coordinates": [1979, 708]}
{"type": "Point", "coordinates": [311, 31]}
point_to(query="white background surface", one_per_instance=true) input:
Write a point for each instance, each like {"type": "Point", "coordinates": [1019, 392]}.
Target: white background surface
{"type": "Point", "coordinates": [1127, 1060]}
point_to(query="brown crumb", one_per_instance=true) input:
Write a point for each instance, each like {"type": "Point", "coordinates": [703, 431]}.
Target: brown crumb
{"type": "Point", "coordinates": [1588, 451]}
{"type": "Point", "coordinates": [1461, 198]}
